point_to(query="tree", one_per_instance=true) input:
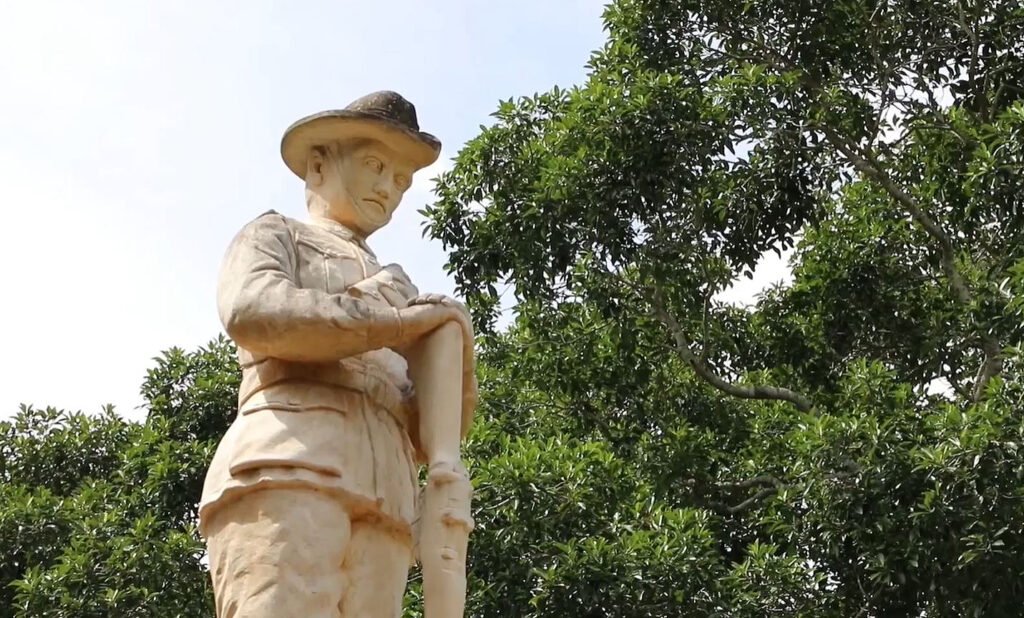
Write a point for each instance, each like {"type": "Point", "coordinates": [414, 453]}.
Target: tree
{"type": "Point", "coordinates": [846, 446]}
{"type": "Point", "coordinates": [97, 514]}
{"type": "Point", "coordinates": [849, 441]}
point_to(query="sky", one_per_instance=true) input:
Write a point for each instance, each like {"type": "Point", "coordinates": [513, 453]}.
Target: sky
{"type": "Point", "coordinates": [137, 137]}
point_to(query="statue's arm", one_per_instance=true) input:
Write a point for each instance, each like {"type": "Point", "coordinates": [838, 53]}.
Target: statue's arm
{"type": "Point", "coordinates": [389, 285]}
{"type": "Point", "coordinates": [266, 312]}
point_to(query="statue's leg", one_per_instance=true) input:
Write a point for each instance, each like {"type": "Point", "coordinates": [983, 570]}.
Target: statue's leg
{"type": "Point", "coordinates": [376, 568]}
{"type": "Point", "coordinates": [277, 552]}
{"type": "Point", "coordinates": [445, 522]}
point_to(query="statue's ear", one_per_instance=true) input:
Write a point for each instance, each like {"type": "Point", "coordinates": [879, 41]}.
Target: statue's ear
{"type": "Point", "coordinates": [315, 167]}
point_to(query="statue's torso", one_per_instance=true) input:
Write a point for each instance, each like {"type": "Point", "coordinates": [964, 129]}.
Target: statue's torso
{"type": "Point", "coordinates": [337, 425]}
{"type": "Point", "coordinates": [329, 260]}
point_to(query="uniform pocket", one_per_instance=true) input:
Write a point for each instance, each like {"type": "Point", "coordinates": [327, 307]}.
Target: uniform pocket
{"type": "Point", "coordinates": [331, 267]}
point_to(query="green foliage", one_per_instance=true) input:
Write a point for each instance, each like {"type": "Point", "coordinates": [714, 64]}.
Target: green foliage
{"type": "Point", "coordinates": [97, 514]}
{"type": "Point", "coordinates": [845, 445]}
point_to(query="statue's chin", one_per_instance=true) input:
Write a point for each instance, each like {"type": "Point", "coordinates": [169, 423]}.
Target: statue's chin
{"type": "Point", "coordinates": [371, 216]}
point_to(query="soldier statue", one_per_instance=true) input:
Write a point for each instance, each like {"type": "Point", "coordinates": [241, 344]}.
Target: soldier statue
{"type": "Point", "coordinates": [351, 380]}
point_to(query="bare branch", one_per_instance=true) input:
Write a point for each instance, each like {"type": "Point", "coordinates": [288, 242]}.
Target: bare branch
{"type": "Point", "coordinates": [754, 391]}
{"type": "Point", "coordinates": [990, 368]}
{"type": "Point", "coordinates": [864, 161]}
{"type": "Point", "coordinates": [972, 71]}
{"type": "Point", "coordinates": [704, 325]}
{"type": "Point", "coordinates": [752, 500]}
{"type": "Point", "coordinates": [885, 92]}
{"type": "Point", "coordinates": [757, 481]}
{"type": "Point", "coordinates": [869, 166]}
{"type": "Point", "coordinates": [957, 386]}
{"type": "Point", "coordinates": [769, 485]}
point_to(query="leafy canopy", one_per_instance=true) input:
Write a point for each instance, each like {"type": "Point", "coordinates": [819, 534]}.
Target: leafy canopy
{"type": "Point", "coordinates": [98, 514]}
{"type": "Point", "coordinates": [848, 445]}
{"type": "Point", "coordinates": [854, 433]}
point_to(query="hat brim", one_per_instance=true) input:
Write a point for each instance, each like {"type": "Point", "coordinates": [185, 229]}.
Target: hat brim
{"type": "Point", "coordinates": [419, 148]}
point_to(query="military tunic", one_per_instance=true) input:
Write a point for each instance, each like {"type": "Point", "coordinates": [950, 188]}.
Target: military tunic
{"type": "Point", "coordinates": [288, 296]}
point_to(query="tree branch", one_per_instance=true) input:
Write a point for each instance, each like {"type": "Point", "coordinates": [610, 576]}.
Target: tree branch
{"type": "Point", "coordinates": [769, 485]}
{"type": "Point", "coordinates": [752, 500]}
{"type": "Point", "coordinates": [956, 386]}
{"type": "Point", "coordinates": [972, 71]}
{"type": "Point", "coordinates": [866, 163]}
{"type": "Point", "coordinates": [756, 391]}
{"type": "Point", "coordinates": [990, 367]}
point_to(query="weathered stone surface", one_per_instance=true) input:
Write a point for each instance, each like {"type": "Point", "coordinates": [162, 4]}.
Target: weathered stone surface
{"type": "Point", "coordinates": [351, 380]}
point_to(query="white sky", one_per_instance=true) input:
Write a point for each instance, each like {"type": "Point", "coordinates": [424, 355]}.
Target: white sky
{"type": "Point", "coordinates": [137, 137]}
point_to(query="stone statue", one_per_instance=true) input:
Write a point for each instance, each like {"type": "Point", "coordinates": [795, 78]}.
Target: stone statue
{"type": "Point", "coordinates": [351, 380]}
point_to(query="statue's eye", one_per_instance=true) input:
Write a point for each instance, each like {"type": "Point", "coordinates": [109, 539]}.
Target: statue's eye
{"type": "Point", "coordinates": [374, 163]}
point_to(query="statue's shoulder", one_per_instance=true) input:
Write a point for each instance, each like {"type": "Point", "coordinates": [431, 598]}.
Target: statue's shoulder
{"type": "Point", "coordinates": [272, 217]}
{"type": "Point", "coordinates": [273, 220]}
{"type": "Point", "coordinates": [270, 228]}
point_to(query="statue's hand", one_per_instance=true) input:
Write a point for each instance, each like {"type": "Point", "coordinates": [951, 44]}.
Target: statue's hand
{"type": "Point", "coordinates": [428, 312]}
{"type": "Point", "coordinates": [420, 318]}
{"type": "Point", "coordinates": [396, 286]}
{"type": "Point", "coordinates": [464, 319]}
{"type": "Point", "coordinates": [439, 299]}
{"type": "Point", "coordinates": [469, 360]}
{"type": "Point", "coordinates": [390, 283]}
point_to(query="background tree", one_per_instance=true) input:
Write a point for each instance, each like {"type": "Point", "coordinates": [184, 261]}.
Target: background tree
{"type": "Point", "coordinates": [847, 446]}
{"type": "Point", "coordinates": [854, 434]}
{"type": "Point", "coordinates": [97, 514]}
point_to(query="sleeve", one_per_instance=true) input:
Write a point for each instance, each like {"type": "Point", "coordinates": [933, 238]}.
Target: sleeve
{"type": "Point", "coordinates": [265, 311]}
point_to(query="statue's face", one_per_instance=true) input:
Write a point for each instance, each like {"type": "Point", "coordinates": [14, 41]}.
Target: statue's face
{"type": "Point", "coordinates": [362, 183]}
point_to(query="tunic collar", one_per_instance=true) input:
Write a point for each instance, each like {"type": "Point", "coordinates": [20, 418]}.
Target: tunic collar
{"type": "Point", "coordinates": [339, 230]}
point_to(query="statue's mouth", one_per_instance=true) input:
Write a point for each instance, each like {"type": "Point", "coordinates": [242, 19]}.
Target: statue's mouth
{"type": "Point", "coordinates": [380, 206]}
